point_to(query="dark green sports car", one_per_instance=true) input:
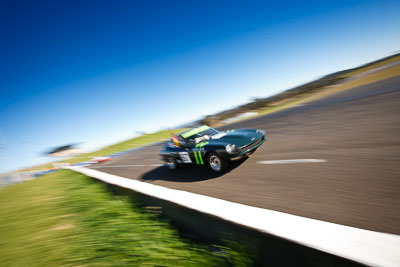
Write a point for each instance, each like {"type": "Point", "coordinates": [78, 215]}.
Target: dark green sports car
{"type": "Point", "coordinates": [206, 146]}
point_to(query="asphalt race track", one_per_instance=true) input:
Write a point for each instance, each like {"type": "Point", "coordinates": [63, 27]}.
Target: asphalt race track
{"type": "Point", "coordinates": [354, 138]}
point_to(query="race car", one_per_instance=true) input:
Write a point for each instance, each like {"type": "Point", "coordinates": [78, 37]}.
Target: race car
{"type": "Point", "coordinates": [204, 145]}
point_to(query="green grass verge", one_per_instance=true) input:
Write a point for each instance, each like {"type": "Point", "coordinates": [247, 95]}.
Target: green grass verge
{"type": "Point", "coordinates": [122, 146]}
{"type": "Point", "coordinates": [68, 219]}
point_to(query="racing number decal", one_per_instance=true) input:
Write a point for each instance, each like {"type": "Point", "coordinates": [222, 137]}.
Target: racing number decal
{"type": "Point", "coordinates": [185, 157]}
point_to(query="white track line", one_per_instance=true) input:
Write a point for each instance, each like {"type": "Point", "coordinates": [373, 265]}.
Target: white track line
{"type": "Point", "coordinates": [134, 165]}
{"type": "Point", "coordinates": [119, 166]}
{"type": "Point", "coordinates": [288, 161]}
{"type": "Point", "coordinates": [364, 246]}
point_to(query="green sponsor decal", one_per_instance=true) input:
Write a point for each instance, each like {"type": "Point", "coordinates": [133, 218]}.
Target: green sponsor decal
{"type": "Point", "coordinates": [198, 157]}
{"type": "Point", "coordinates": [195, 131]}
{"type": "Point", "coordinates": [201, 158]}
{"type": "Point", "coordinates": [195, 156]}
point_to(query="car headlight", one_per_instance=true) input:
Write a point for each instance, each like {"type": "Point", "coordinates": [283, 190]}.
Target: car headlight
{"type": "Point", "coordinates": [260, 131]}
{"type": "Point", "coordinates": [230, 148]}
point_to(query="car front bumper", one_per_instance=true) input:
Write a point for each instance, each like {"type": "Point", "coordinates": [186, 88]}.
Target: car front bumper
{"type": "Point", "coordinates": [248, 151]}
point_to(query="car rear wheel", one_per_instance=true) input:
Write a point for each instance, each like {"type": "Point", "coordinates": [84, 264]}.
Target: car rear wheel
{"type": "Point", "coordinates": [171, 164]}
{"type": "Point", "coordinates": [216, 163]}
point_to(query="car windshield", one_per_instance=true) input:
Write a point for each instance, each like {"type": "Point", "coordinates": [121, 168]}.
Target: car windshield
{"type": "Point", "coordinates": [201, 136]}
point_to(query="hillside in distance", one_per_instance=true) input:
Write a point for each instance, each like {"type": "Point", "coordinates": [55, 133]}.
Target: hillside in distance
{"type": "Point", "coordinates": [304, 90]}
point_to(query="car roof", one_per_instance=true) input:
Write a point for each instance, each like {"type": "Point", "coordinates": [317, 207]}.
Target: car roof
{"type": "Point", "coordinates": [194, 131]}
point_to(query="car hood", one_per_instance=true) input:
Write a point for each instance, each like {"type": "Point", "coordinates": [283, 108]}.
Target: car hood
{"type": "Point", "coordinates": [239, 138]}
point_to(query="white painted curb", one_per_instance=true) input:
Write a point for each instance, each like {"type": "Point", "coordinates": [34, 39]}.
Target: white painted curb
{"type": "Point", "coordinates": [364, 246]}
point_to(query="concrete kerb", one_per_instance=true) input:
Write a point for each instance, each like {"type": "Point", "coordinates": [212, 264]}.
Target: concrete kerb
{"type": "Point", "coordinates": [307, 240]}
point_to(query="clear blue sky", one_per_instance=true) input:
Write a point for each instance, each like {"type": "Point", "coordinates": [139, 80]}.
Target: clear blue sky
{"type": "Point", "coordinates": [95, 72]}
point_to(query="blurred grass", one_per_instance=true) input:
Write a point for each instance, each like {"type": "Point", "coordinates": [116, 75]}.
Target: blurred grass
{"type": "Point", "coordinates": [68, 219]}
{"type": "Point", "coordinates": [122, 146]}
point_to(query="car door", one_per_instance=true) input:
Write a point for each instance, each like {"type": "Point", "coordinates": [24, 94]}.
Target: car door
{"type": "Point", "coordinates": [182, 152]}
{"type": "Point", "coordinates": [192, 153]}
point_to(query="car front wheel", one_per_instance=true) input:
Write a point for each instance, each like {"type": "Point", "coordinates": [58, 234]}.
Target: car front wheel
{"type": "Point", "coordinates": [171, 164]}
{"type": "Point", "coordinates": [216, 163]}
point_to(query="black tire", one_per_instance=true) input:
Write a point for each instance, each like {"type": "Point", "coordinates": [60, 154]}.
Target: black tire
{"type": "Point", "coordinates": [216, 163]}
